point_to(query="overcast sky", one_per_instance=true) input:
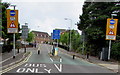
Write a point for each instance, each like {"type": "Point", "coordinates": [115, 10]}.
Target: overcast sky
{"type": "Point", "coordinates": [46, 15]}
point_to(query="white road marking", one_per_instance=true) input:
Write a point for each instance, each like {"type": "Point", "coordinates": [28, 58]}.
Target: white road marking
{"type": "Point", "coordinates": [38, 71]}
{"type": "Point", "coordinates": [59, 69]}
{"type": "Point", "coordinates": [49, 70]}
{"type": "Point", "coordinates": [34, 68]}
{"type": "Point", "coordinates": [31, 70]}
{"type": "Point", "coordinates": [51, 59]}
{"type": "Point", "coordinates": [20, 70]}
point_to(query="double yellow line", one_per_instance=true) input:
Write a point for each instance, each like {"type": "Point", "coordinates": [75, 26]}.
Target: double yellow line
{"type": "Point", "coordinates": [16, 65]}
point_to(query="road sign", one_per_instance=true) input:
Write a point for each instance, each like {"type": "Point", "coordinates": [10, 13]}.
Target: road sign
{"type": "Point", "coordinates": [111, 29]}
{"type": "Point", "coordinates": [56, 34]}
{"type": "Point", "coordinates": [112, 21]}
{"type": "Point", "coordinates": [12, 18]}
{"type": "Point", "coordinates": [12, 12]}
{"type": "Point", "coordinates": [12, 25]}
{"type": "Point", "coordinates": [111, 32]}
{"type": "Point", "coordinates": [12, 21]}
{"type": "Point", "coordinates": [24, 32]}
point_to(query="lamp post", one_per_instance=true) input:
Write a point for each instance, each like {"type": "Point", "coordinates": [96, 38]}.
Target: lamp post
{"type": "Point", "coordinates": [70, 31]}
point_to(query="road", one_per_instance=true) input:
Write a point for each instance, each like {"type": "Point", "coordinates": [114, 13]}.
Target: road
{"type": "Point", "coordinates": [43, 63]}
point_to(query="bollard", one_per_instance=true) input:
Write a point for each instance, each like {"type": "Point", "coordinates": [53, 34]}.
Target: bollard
{"type": "Point", "coordinates": [73, 56]}
{"type": "Point", "coordinates": [13, 57]}
{"type": "Point", "coordinates": [18, 50]}
{"type": "Point", "coordinates": [25, 50]}
{"type": "Point", "coordinates": [38, 51]}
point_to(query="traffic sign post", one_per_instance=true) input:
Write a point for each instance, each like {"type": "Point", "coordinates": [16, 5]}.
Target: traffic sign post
{"type": "Point", "coordinates": [25, 34]}
{"type": "Point", "coordinates": [111, 31]}
{"type": "Point", "coordinates": [56, 35]}
{"type": "Point", "coordinates": [12, 24]}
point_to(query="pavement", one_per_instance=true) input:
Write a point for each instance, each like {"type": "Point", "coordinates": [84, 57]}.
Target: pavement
{"type": "Point", "coordinates": [8, 61]}
{"type": "Point", "coordinates": [111, 65]}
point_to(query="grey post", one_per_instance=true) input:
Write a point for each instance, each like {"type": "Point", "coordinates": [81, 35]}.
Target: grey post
{"type": "Point", "coordinates": [70, 30]}
{"type": "Point", "coordinates": [14, 37]}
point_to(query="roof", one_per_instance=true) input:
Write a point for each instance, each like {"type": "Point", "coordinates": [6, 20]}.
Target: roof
{"type": "Point", "coordinates": [61, 30]}
{"type": "Point", "coordinates": [40, 32]}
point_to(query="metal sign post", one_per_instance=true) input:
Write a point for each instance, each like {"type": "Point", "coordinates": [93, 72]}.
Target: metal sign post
{"type": "Point", "coordinates": [56, 35]}
{"type": "Point", "coordinates": [25, 34]}
{"type": "Point", "coordinates": [12, 25]}
{"type": "Point", "coordinates": [111, 32]}
{"type": "Point", "coordinates": [13, 33]}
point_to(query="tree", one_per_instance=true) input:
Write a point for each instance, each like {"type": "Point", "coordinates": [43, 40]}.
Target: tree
{"type": "Point", "coordinates": [30, 37]}
{"type": "Point", "coordinates": [6, 35]}
{"type": "Point", "coordinates": [75, 39]}
{"type": "Point", "coordinates": [93, 23]}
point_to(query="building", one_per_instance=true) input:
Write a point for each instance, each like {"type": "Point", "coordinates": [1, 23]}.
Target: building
{"type": "Point", "coordinates": [41, 37]}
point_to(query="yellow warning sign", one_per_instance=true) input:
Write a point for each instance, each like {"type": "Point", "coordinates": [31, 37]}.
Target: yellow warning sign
{"type": "Point", "coordinates": [111, 29]}
{"type": "Point", "coordinates": [111, 32]}
{"type": "Point", "coordinates": [12, 25]}
{"type": "Point", "coordinates": [12, 20]}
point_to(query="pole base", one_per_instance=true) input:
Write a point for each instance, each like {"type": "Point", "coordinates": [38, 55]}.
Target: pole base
{"type": "Point", "coordinates": [13, 57]}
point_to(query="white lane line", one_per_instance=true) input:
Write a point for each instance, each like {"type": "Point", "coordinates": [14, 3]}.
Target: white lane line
{"type": "Point", "coordinates": [51, 59]}
{"type": "Point", "coordinates": [59, 69]}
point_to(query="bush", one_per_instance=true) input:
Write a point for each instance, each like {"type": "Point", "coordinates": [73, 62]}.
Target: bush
{"type": "Point", "coordinates": [7, 48]}
{"type": "Point", "coordinates": [115, 52]}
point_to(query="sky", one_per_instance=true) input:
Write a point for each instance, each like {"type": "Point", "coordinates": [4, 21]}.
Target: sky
{"type": "Point", "coordinates": [46, 15]}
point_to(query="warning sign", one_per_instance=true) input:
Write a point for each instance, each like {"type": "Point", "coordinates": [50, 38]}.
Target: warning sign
{"type": "Point", "coordinates": [12, 21]}
{"type": "Point", "coordinates": [111, 29]}
{"type": "Point", "coordinates": [12, 25]}
{"type": "Point", "coordinates": [111, 32]}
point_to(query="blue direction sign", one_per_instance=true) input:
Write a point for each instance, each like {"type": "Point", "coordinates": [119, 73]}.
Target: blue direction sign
{"type": "Point", "coordinates": [112, 21]}
{"type": "Point", "coordinates": [56, 34]}
{"type": "Point", "coordinates": [12, 13]}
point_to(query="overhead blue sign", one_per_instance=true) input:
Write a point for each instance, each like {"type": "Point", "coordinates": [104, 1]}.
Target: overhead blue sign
{"type": "Point", "coordinates": [56, 34]}
{"type": "Point", "coordinates": [112, 21]}
{"type": "Point", "coordinates": [12, 13]}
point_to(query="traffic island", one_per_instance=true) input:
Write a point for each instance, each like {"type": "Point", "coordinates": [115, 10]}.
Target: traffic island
{"type": "Point", "coordinates": [55, 58]}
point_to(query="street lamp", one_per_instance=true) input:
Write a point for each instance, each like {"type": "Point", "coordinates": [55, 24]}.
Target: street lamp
{"type": "Point", "coordinates": [70, 31]}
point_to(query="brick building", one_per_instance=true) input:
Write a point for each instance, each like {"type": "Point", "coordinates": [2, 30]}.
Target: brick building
{"type": "Point", "coordinates": [41, 37]}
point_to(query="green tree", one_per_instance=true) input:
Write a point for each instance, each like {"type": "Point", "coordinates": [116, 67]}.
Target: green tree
{"type": "Point", "coordinates": [6, 35]}
{"type": "Point", "coordinates": [93, 23]}
{"type": "Point", "coordinates": [75, 39]}
{"type": "Point", "coordinates": [30, 37]}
